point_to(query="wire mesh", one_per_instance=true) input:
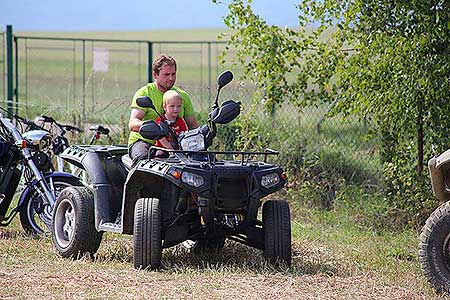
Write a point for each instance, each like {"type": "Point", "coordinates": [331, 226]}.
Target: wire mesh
{"type": "Point", "coordinates": [2, 66]}
{"type": "Point", "coordinates": [62, 78]}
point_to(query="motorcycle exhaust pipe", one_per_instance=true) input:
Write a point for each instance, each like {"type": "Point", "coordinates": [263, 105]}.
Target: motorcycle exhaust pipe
{"type": "Point", "coordinates": [437, 181]}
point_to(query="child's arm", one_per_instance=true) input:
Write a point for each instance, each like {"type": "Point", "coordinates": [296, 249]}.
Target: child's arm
{"type": "Point", "coordinates": [165, 143]}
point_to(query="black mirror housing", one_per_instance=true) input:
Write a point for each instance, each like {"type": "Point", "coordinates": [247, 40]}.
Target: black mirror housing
{"type": "Point", "coordinates": [145, 101]}
{"type": "Point", "coordinates": [226, 113]}
{"type": "Point", "coordinates": [224, 78]}
{"type": "Point", "coordinates": [151, 130]}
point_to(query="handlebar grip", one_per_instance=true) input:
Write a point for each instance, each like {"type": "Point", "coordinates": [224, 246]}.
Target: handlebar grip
{"type": "Point", "coordinates": [103, 130]}
{"type": "Point", "coordinates": [72, 128]}
{"type": "Point", "coordinates": [46, 119]}
{"type": "Point", "coordinates": [100, 129]}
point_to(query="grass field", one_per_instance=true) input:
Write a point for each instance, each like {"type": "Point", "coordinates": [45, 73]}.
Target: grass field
{"type": "Point", "coordinates": [334, 257]}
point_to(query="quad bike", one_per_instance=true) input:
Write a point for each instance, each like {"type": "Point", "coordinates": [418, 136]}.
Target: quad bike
{"type": "Point", "coordinates": [189, 196]}
{"type": "Point", "coordinates": [434, 247]}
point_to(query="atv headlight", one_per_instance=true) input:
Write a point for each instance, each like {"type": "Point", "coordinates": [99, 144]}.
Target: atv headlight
{"type": "Point", "coordinates": [193, 143]}
{"type": "Point", "coordinates": [270, 180]}
{"type": "Point", "coordinates": [192, 179]}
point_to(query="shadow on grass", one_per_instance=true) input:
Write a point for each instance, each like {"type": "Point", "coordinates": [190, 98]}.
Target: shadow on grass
{"type": "Point", "coordinates": [6, 234]}
{"type": "Point", "coordinates": [235, 257]}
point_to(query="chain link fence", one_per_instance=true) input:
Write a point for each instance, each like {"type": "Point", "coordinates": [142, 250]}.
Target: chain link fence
{"type": "Point", "coordinates": [2, 66]}
{"type": "Point", "coordinates": [86, 82]}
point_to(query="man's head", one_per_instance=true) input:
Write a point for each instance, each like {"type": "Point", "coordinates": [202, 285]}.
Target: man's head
{"type": "Point", "coordinates": [172, 104]}
{"type": "Point", "coordinates": [164, 71]}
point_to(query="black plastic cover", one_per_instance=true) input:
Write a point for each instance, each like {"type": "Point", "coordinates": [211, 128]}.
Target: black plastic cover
{"type": "Point", "coordinates": [224, 78]}
{"type": "Point", "coordinates": [226, 113]}
{"type": "Point", "coordinates": [151, 130]}
{"type": "Point", "coordinates": [145, 101]}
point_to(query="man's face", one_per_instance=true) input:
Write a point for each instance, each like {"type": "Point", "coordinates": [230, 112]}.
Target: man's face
{"type": "Point", "coordinates": [166, 78]}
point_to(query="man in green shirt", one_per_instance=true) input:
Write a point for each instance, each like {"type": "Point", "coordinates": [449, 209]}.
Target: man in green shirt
{"type": "Point", "coordinates": [164, 71]}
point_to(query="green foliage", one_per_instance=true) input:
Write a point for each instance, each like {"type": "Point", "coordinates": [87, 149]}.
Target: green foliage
{"type": "Point", "coordinates": [248, 131]}
{"type": "Point", "coordinates": [386, 61]}
{"type": "Point", "coordinates": [270, 56]}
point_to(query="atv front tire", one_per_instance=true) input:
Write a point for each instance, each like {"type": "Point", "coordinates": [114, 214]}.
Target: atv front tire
{"type": "Point", "coordinates": [277, 232]}
{"type": "Point", "coordinates": [147, 234]}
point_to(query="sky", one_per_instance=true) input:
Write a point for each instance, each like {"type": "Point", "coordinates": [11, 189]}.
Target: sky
{"type": "Point", "coordinates": [101, 15]}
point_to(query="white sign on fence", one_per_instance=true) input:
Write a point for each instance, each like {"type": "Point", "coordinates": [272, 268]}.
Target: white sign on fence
{"type": "Point", "coordinates": [101, 60]}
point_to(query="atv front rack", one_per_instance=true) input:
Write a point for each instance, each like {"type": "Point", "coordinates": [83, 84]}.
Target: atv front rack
{"type": "Point", "coordinates": [245, 155]}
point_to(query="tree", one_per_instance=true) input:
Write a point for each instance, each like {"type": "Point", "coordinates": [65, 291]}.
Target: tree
{"type": "Point", "coordinates": [386, 60]}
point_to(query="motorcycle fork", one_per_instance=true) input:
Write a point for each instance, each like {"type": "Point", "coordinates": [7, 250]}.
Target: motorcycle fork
{"type": "Point", "coordinates": [9, 182]}
{"type": "Point", "coordinates": [47, 195]}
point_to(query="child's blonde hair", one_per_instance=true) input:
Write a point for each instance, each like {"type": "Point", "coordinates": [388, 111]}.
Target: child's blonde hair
{"type": "Point", "coordinates": [170, 94]}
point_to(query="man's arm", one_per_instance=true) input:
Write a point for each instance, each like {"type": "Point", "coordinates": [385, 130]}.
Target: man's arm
{"type": "Point", "coordinates": [136, 119]}
{"type": "Point", "coordinates": [191, 122]}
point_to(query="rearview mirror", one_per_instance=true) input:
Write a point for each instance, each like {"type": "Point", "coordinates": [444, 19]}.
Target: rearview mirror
{"type": "Point", "coordinates": [145, 101]}
{"type": "Point", "coordinates": [151, 130]}
{"type": "Point", "coordinates": [224, 78]}
{"type": "Point", "coordinates": [226, 113]}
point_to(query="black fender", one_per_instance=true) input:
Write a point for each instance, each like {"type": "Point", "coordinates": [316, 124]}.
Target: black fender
{"type": "Point", "coordinates": [150, 180]}
{"type": "Point", "coordinates": [107, 174]}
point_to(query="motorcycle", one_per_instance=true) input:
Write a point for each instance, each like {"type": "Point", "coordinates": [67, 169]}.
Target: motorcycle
{"type": "Point", "coordinates": [28, 155]}
{"type": "Point", "coordinates": [61, 143]}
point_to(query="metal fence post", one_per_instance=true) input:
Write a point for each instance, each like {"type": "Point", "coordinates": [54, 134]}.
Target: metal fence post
{"type": "Point", "coordinates": [149, 62]}
{"type": "Point", "coordinates": [84, 81]}
{"type": "Point", "coordinates": [209, 72]}
{"type": "Point", "coordinates": [16, 91]}
{"type": "Point", "coordinates": [9, 68]}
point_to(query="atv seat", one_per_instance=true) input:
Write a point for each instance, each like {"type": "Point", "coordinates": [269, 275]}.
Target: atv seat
{"type": "Point", "coordinates": [127, 161]}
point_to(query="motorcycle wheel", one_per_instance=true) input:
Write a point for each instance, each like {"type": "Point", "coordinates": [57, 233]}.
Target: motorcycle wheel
{"type": "Point", "coordinates": [434, 248]}
{"type": "Point", "coordinates": [35, 217]}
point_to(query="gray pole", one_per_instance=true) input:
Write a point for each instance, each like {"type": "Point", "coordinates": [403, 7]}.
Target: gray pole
{"type": "Point", "coordinates": [84, 83]}
{"type": "Point", "coordinates": [149, 62]}
{"type": "Point", "coordinates": [16, 92]}
{"type": "Point", "coordinates": [9, 68]}
{"type": "Point", "coordinates": [209, 72]}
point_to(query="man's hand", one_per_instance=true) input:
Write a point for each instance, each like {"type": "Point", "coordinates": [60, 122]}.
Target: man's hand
{"type": "Point", "coordinates": [191, 122]}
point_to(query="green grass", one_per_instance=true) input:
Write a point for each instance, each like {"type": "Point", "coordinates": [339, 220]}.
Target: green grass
{"type": "Point", "coordinates": [333, 258]}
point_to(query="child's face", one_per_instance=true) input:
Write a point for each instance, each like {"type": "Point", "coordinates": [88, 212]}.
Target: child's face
{"type": "Point", "coordinates": [172, 107]}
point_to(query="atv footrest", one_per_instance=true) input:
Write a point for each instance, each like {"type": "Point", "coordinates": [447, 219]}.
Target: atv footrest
{"type": "Point", "coordinates": [111, 227]}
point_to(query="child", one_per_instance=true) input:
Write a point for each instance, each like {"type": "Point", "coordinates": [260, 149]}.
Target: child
{"type": "Point", "coordinates": [172, 106]}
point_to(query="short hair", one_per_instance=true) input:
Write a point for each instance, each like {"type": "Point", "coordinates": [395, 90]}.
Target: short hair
{"type": "Point", "coordinates": [170, 94]}
{"type": "Point", "coordinates": [163, 60]}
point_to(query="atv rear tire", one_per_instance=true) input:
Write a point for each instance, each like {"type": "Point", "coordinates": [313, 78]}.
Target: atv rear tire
{"type": "Point", "coordinates": [434, 248]}
{"type": "Point", "coordinates": [73, 229]}
{"type": "Point", "coordinates": [277, 232]}
{"type": "Point", "coordinates": [147, 234]}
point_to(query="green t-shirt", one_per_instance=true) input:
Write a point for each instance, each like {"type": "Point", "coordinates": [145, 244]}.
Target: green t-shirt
{"type": "Point", "coordinates": [156, 95]}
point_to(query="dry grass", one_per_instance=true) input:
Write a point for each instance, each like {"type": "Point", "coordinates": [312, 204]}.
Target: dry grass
{"type": "Point", "coordinates": [30, 269]}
